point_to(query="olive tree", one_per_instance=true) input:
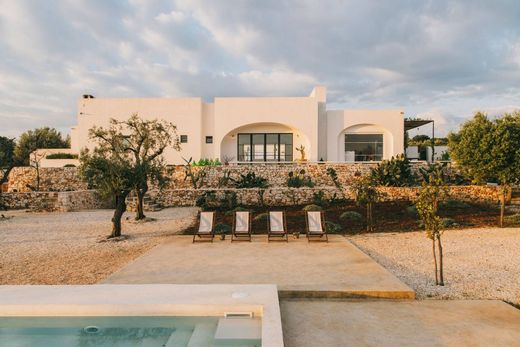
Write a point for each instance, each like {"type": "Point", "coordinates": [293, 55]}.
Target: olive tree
{"type": "Point", "coordinates": [128, 155]}
{"type": "Point", "coordinates": [489, 151]}
{"type": "Point", "coordinates": [146, 141]}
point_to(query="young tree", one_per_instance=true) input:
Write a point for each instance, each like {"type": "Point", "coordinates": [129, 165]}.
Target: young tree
{"type": "Point", "coordinates": [427, 204]}
{"type": "Point", "coordinates": [146, 141]}
{"type": "Point", "coordinates": [38, 138]}
{"type": "Point", "coordinates": [489, 150]}
{"type": "Point", "coordinates": [366, 193]}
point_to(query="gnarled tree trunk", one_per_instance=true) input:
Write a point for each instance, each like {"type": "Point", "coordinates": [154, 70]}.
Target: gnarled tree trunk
{"type": "Point", "coordinates": [435, 262]}
{"type": "Point", "coordinates": [140, 192]}
{"type": "Point", "coordinates": [118, 214]}
{"type": "Point", "coordinates": [441, 267]}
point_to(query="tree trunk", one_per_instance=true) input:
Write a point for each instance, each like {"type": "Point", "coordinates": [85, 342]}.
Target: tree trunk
{"type": "Point", "coordinates": [503, 205]}
{"type": "Point", "coordinates": [140, 192]}
{"type": "Point", "coordinates": [118, 214]}
{"type": "Point", "coordinates": [441, 267]}
{"type": "Point", "coordinates": [368, 217]}
{"type": "Point", "coordinates": [435, 261]}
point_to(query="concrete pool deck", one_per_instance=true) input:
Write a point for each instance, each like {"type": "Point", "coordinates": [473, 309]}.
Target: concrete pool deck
{"type": "Point", "coordinates": [299, 268]}
{"type": "Point", "coordinates": [309, 323]}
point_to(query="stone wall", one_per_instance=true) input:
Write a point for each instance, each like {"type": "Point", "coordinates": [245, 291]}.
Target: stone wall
{"type": "Point", "coordinates": [51, 179]}
{"type": "Point", "coordinates": [55, 201]}
{"type": "Point", "coordinates": [302, 196]}
{"type": "Point", "coordinates": [67, 179]}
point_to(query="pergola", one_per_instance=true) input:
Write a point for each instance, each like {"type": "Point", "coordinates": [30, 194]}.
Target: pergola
{"type": "Point", "coordinates": [410, 124]}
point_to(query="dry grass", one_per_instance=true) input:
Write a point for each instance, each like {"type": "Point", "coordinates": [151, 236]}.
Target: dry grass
{"type": "Point", "coordinates": [64, 248]}
{"type": "Point", "coordinates": [478, 263]}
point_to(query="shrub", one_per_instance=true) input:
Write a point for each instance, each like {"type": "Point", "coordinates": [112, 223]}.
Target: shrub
{"type": "Point", "coordinates": [61, 156]}
{"type": "Point", "coordinates": [411, 210]}
{"type": "Point", "coordinates": [513, 219]}
{"type": "Point", "coordinates": [207, 162]}
{"type": "Point", "coordinates": [395, 172]}
{"type": "Point", "coordinates": [332, 227]}
{"type": "Point", "coordinates": [312, 207]}
{"type": "Point", "coordinates": [261, 217]}
{"type": "Point", "coordinates": [333, 176]}
{"type": "Point", "coordinates": [222, 228]}
{"type": "Point", "coordinates": [453, 204]}
{"type": "Point", "coordinates": [448, 222]}
{"type": "Point", "coordinates": [206, 200]}
{"type": "Point", "coordinates": [251, 180]}
{"type": "Point", "coordinates": [350, 216]}
{"type": "Point", "coordinates": [236, 209]}
{"type": "Point", "coordinates": [299, 180]}
{"type": "Point", "coordinates": [320, 199]}
{"type": "Point", "coordinates": [229, 200]}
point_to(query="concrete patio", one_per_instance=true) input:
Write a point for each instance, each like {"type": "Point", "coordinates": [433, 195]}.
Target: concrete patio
{"type": "Point", "coordinates": [299, 268]}
{"type": "Point", "coordinates": [309, 323]}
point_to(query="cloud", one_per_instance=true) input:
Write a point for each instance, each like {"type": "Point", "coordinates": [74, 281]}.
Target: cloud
{"type": "Point", "coordinates": [442, 59]}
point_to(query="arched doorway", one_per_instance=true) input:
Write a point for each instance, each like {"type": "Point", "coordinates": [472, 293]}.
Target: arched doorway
{"type": "Point", "coordinates": [263, 142]}
{"type": "Point", "coordinates": [365, 142]}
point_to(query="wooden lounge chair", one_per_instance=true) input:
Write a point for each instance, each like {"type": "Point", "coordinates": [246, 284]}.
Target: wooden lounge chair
{"type": "Point", "coordinates": [315, 223]}
{"type": "Point", "coordinates": [241, 230]}
{"type": "Point", "coordinates": [206, 230]}
{"type": "Point", "coordinates": [277, 226]}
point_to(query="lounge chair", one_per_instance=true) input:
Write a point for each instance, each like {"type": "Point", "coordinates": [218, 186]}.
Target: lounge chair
{"type": "Point", "coordinates": [277, 226]}
{"type": "Point", "coordinates": [206, 230]}
{"type": "Point", "coordinates": [315, 223]}
{"type": "Point", "coordinates": [241, 230]}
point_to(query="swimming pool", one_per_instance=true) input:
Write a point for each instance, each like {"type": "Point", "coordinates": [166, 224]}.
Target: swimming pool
{"type": "Point", "coordinates": [128, 331]}
{"type": "Point", "coordinates": [162, 315]}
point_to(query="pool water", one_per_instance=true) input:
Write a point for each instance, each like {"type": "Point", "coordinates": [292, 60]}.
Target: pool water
{"type": "Point", "coordinates": [117, 331]}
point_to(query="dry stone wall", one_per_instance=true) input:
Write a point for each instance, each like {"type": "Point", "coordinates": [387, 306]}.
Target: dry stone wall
{"type": "Point", "coordinates": [55, 201]}
{"type": "Point", "coordinates": [51, 179]}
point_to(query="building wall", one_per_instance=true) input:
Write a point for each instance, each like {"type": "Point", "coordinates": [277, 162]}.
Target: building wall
{"type": "Point", "coordinates": [320, 131]}
{"type": "Point", "coordinates": [185, 113]}
{"type": "Point", "coordinates": [388, 122]}
{"type": "Point", "coordinates": [232, 114]}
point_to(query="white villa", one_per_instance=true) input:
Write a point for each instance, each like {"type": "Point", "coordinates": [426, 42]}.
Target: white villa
{"type": "Point", "coordinates": [256, 129]}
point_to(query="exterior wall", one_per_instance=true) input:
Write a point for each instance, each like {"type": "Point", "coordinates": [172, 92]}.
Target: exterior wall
{"type": "Point", "coordinates": [51, 179]}
{"type": "Point", "coordinates": [44, 162]}
{"type": "Point", "coordinates": [319, 130]}
{"type": "Point", "coordinates": [232, 114]}
{"type": "Point", "coordinates": [55, 201]}
{"type": "Point", "coordinates": [388, 122]}
{"type": "Point", "coordinates": [185, 113]}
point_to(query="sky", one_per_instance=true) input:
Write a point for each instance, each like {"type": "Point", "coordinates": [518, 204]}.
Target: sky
{"type": "Point", "coordinates": [437, 59]}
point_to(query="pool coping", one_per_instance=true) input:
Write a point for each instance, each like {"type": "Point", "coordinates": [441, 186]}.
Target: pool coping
{"type": "Point", "coordinates": [147, 300]}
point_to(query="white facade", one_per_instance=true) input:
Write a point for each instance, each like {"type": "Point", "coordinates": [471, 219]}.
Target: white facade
{"type": "Point", "coordinates": [256, 128]}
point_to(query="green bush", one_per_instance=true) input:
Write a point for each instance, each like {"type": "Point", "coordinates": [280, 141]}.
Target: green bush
{"type": "Point", "coordinates": [236, 209]}
{"type": "Point", "coordinates": [333, 176]}
{"type": "Point", "coordinates": [299, 179]}
{"type": "Point", "coordinates": [206, 200]}
{"type": "Point", "coordinates": [261, 217]}
{"type": "Point", "coordinates": [61, 156]}
{"type": "Point", "coordinates": [207, 162]}
{"type": "Point", "coordinates": [513, 219]}
{"type": "Point", "coordinates": [395, 172]}
{"type": "Point", "coordinates": [449, 222]}
{"type": "Point", "coordinates": [332, 227]}
{"type": "Point", "coordinates": [350, 216]}
{"type": "Point", "coordinates": [411, 210]}
{"type": "Point", "coordinates": [222, 228]}
{"type": "Point", "coordinates": [319, 198]}
{"type": "Point", "coordinates": [312, 207]}
{"type": "Point", "coordinates": [251, 180]}
{"type": "Point", "coordinates": [453, 204]}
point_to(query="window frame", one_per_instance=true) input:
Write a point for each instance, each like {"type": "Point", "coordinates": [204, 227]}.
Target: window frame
{"type": "Point", "coordinates": [251, 152]}
{"type": "Point", "coordinates": [376, 156]}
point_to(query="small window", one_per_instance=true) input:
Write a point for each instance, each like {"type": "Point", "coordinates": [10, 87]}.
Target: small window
{"type": "Point", "coordinates": [184, 138]}
{"type": "Point", "coordinates": [209, 139]}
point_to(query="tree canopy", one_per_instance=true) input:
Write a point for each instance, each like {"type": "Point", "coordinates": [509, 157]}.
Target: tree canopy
{"type": "Point", "coordinates": [38, 138]}
{"type": "Point", "coordinates": [488, 150]}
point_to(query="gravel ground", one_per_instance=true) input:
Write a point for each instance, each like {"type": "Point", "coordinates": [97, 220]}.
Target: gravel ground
{"type": "Point", "coordinates": [64, 248]}
{"type": "Point", "coordinates": [478, 263]}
